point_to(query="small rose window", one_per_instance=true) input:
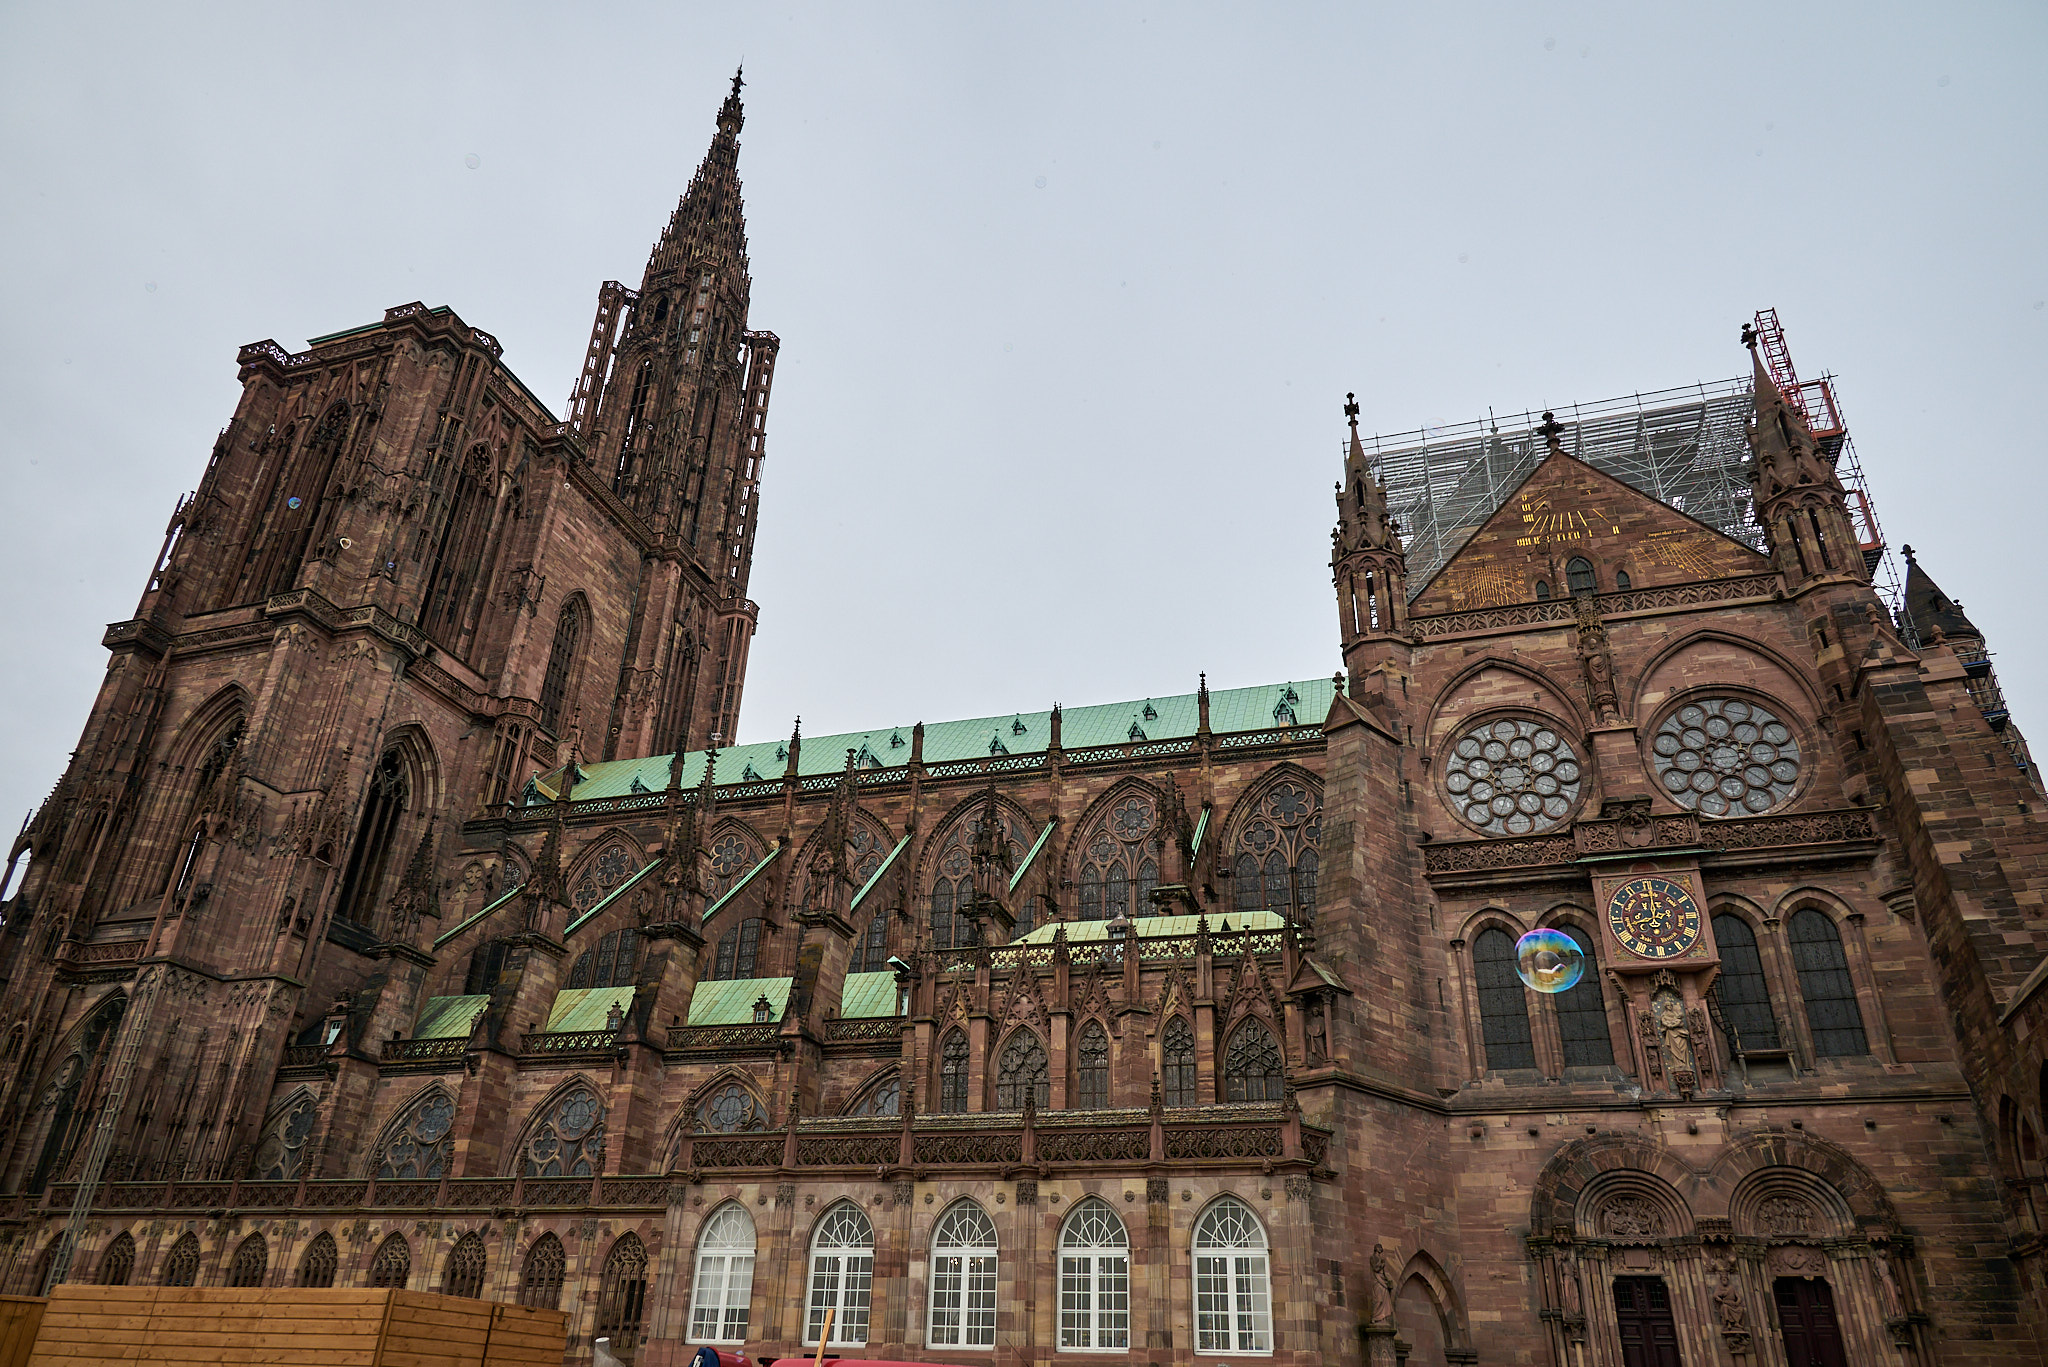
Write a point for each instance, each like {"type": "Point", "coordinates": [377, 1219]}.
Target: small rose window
{"type": "Point", "coordinates": [1512, 776]}
{"type": "Point", "coordinates": [1725, 757]}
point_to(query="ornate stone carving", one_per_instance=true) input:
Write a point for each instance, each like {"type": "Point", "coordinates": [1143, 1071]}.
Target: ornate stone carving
{"type": "Point", "coordinates": [1783, 1215]}
{"type": "Point", "coordinates": [1512, 776]}
{"type": "Point", "coordinates": [1725, 757]}
{"type": "Point", "coordinates": [1631, 1217]}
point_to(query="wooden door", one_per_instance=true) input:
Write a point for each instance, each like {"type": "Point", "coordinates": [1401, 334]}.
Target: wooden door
{"type": "Point", "coordinates": [1642, 1308]}
{"type": "Point", "coordinates": [1806, 1319]}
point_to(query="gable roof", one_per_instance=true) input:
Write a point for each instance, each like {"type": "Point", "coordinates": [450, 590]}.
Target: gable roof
{"type": "Point", "coordinates": [1565, 507]}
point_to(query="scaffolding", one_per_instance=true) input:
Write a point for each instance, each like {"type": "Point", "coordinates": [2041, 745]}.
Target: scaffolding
{"type": "Point", "coordinates": [1684, 447]}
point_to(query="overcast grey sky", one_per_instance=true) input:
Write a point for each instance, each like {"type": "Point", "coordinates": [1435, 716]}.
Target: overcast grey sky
{"type": "Point", "coordinates": [1069, 296]}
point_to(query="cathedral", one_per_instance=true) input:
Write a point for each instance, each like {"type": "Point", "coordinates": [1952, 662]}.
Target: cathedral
{"type": "Point", "coordinates": [1636, 955]}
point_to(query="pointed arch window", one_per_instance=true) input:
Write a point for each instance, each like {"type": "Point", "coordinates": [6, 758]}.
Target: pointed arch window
{"type": "Point", "coordinates": [1503, 1008]}
{"type": "Point", "coordinates": [952, 897]}
{"type": "Point", "coordinates": [1741, 988]}
{"type": "Point", "coordinates": [251, 1261]}
{"type": "Point", "coordinates": [871, 950]}
{"type": "Point", "coordinates": [953, 1075]}
{"type": "Point", "coordinates": [612, 867]}
{"type": "Point", "coordinates": [467, 1263]}
{"type": "Point", "coordinates": [739, 950]}
{"type": "Point", "coordinates": [883, 1098]}
{"type": "Point", "coordinates": [181, 1265]}
{"type": "Point", "coordinates": [1095, 1279]}
{"type": "Point", "coordinates": [569, 1141]}
{"type": "Point", "coordinates": [963, 1281]}
{"type": "Point", "coordinates": [281, 1150]}
{"type": "Point", "coordinates": [731, 856]}
{"type": "Point", "coordinates": [1022, 1076]}
{"type": "Point", "coordinates": [1582, 1012]}
{"type": "Point", "coordinates": [842, 1273]}
{"type": "Point", "coordinates": [540, 1280]}
{"type": "Point", "coordinates": [1252, 1069]}
{"type": "Point", "coordinates": [1120, 860]}
{"type": "Point", "coordinates": [622, 1295]}
{"type": "Point", "coordinates": [369, 858]}
{"type": "Point", "coordinates": [1091, 1069]}
{"type": "Point", "coordinates": [321, 1259]}
{"type": "Point", "coordinates": [1233, 1281]}
{"type": "Point", "coordinates": [1831, 1011]}
{"type": "Point", "coordinates": [1177, 1063]}
{"type": "Point", "coordinates": [222, 753]}
{"type": "Point", "coordinates": [554, 686]}
{"type": "Point", "coordinates": [1277, 862]}
{"type": "Point", "coordinates": [1542, 590]}
{"type": "Point", "coordinates": [419, 1146]}
{"type": "Point", "coordinates": [392, 1266]}
{"type": "Point", "coordinates": [1578, 575]}
{"type": "Point", "coordinates": [612, 963]}
{"type": "Point", "coordinates": [731, 1109]}
{"type": "Point", "coordinates": [117, 1264]}
{"type": "Point", "coordinates": [723, 1289]}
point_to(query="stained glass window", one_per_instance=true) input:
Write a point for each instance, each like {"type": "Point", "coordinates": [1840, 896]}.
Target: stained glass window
{"type": "Point", "coordinates": [540, 1281]}
{"type": "Point", "coordinates": [1177, 1059]}
{"type": "Point", "coordinates": [611, 868]}
{"type": "Point", "coordinates": [738, 951]}
{"type": "Point", "coordinates": [282, 1147]}
{"type": "Point", "coordinates": [318, 1266]}
{"type": "Point", "coordinates": [251, 1261]}
{"type": "Point", "coordinates": [1091, 1069]}
{"type": "Point", "coordinates": [730, 1109]}
{"type": "Point", "coordinates": [612, 963]}
{"type": "Point", "coordinates": [392, 1265]}
{"type": "Point", "coordinates": [953, 1075]}
{"type": "Point", "coordinates": [419, 1146]}
{"type": "Point", "coordinates": [1251, 1065]}
{"type": "Point", "coordinates": [1582, 1013]}
{"type": "Point", "coordinates": [1744, 995]}
{"type": "Point", "coordinates": [181, 1266]}
{"type": "Point", "coordinates": [467, 1262]}
{"type": "Point", "coordinates": [1023, 1074]}
{"type": "Point", "coordinates": [883, 1098]}
{"type": "Point", "coordinates": [1823, 968]}
{"type": "Point", "coordinates": [569, 1141]}
{"type": "Point", "coordinates": [1275, 869]}
{"type": "Point", "coordinates": [561, 659]}
{"type": "Point", "coordinates": [1503, 1006]}
{"type": "Point", "coordinates": [117, 1264]}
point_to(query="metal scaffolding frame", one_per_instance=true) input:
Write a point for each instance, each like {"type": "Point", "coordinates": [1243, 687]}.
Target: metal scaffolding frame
{"type": "Point", "coordinates": [1684, 447]}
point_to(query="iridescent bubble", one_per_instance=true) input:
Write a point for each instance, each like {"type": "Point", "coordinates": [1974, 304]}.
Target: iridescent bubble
{"type": "Point", "coordinates": [1549, 960]}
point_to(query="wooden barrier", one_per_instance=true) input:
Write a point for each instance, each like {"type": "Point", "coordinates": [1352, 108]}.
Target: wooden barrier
{"type": "Point", "coordinates": [84, 1326]}
{"type": "Point", "coordinates": [20, 1318]}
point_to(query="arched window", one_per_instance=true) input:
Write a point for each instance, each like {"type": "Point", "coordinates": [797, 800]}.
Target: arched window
{"type": "Point", "coordinates": [1022, 1076]}
{"type": "Point", "coordinates": [418, 1148]}
{"type": "Point", "coordinates": [486, 964]}
{"type": "Point", "coordinates": [1622, 581]}
{"type": "Point", "coordinates": [1276, 864]}
{"type": "Point", "coordinates": [613, 866]}
{"type": "Point", "coordinates": [181, 1265]}
{"type": "Point", "coordinates": [1578, 574]}
{"type": "Point", "coordinates": [1831, 1010]}
{"type": "Point", "coordinates": [622, 1295]}
{"type": "Point", "coordinates": [738, 950]}
{"type": "Point", "coordinates": [723, 1288]}
{"type": "Point", "coordinates": [1233, 1281]}
{"type": "Point", "coordinates": [1177, 1063]}
{"type": "Point", "coordinates": [540, 1281]}
{"type": "Point", "coordinates": [467, 1262]}
{"type": "Point", "coordinates": [871, 950]}
{"type": "Point", "coordinates": [1251, 1065]}
{"type": "Point", "coordinates": [1091, 1069]}
{"type": "Point", "coordinates": [882, 1098]}
{"type": "Point", "coordinates": [393, 1264]}
{"type": "Point", "coordinates": [611, 964]}
{"type": "Point", "coordinates": [1095, 1278]}
{"type": "Point", "coordinates": [731, 1109]}
{"type": "Point", "coordinates": [251, 1261]}
{"type": "Point", "coordinates": [1120, 860]}
{"type": "Point", "coordinates": [317, 1266]}
{"type": "Point", "coordinates": [282, 1146]}
{"type": "Point", "coordinates": [178, 882]}
{"type": "Point", "coordinates": [842, 1270]}
{"type": "Point", "coordinates": [117, 1264]}
{"type": "Point", "coordinates": [1542, 590]}
{"type": "Point", "coordinates": [1744, 995]}
{"type": "Point", "coordinates": [1582, 1013]}
{"type": "Point", "coordinates": [1503, 1009]}
{"type": "Point", "coordinates": [569, 1141]}
{"type": "Point", "coordinates": [952, 898]}
{"type": "Point", "coordinates": [731, 856]}
{"type": "Point", "coordinates": [953, 1075]}
{"type": "Point", "coordinates": [458, 557]}
{"type": "Point", "coordinates": [370, 857]}
{"type": "Point", "coordinates": [561, 663]}
{"type": "Point", "coordinates": [963, 1284]}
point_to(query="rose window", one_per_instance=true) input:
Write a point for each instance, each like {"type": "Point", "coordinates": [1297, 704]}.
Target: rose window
{"type": "Point", "coordinates": [1512, 777]}
{"type": "Point", "coordinates": [1725, 757]}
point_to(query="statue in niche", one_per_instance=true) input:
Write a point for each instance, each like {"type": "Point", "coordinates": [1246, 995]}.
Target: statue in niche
{"type": "Point", "coordinates": [1669, 1011]}
{"type": "Point", "coordinates": [1728, 1304]}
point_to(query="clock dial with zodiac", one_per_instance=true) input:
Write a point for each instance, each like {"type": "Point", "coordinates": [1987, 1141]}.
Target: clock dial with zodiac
{"type": "Point", "coordinates": [1654, 917]}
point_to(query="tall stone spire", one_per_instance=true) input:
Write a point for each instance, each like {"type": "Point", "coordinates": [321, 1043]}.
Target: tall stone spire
{"type": "Point", "coordinates": [710, 221]}
{"type": "Point", "coordinates": [1800, 503]}
{"type": "Point", "coordinates": [1366, 560]}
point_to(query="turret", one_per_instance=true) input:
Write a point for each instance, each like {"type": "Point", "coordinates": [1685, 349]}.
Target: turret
{"type": "Point", "coordinates": [1366, 560]}
{"type": "Point", "coordinates": [1800, 502]}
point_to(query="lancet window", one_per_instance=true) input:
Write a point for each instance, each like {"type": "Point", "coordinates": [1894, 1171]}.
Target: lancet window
{"type": "Point", "coordinates": [1582, 1012]}
{"type": "Point", "coordinates": [181, 1266]}
{"type": "Point", "coordinates": [117, 1264]}
{"type": "Point", "coordinates": [952, 896]}
{"type": "Point", "coordinates": [1120, 860]}
{"type": "Point", "coordinates": [612, 963]}
{"type": "Point", "coordinates": [321, 1259]}
{"type": "Point", "coordinates": [1503, 1007]}
{"type": "Point", "coordinates": [1091, 1068]}
{"type": "Point", "coordinates": [540, 1281]}
{"type": "Point", "coordinates": [1177, 1063]}
{"type": "Point", "coordinates": [467, 1263]}
{"type": "Point", "coordinates": [1831, 1011]}
{"type": "Point", "coordinates": [1022, 1076]}
{"type": "Point", "coordinates": [393, 1264]}
{"type": "Point", "coordinates": [739, 950]}
{"type": "Point", "coordinates": [569, 1141]}
{"type": "Point", "coordinates": [953, 1075]}
{"type": "Point", "coordinates": [561, 663]}
{"type": "Point", "coordinates": [369, 858]}
{"type": "Point", "coordinates": [1277, 862]}
{"type": "Point", "coordinates": [251, 1261]}
{"type": "Point", "coordinates": [1252, 1067]}
{"type": "Point", "coordinates": [622, 1295]}
{"type": "Point", "coordinates": [1743, 992]}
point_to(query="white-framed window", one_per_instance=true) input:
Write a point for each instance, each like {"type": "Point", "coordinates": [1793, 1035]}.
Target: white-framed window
{"type": "Point", "coordinates": [963, 1296]}
{"type": "Point", "coordinates": [724, 1284]}
{"type": "Point", "coordinates": [842, 1269]}
{"type": "Point", "coordinates": [1095, 1279]}
{"type": "Point", "coordinates": [1233, 1281]}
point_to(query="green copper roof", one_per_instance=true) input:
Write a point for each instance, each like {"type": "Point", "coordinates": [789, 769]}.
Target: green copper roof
{"type": "Point", "coordinates": [1155, 925]}
{"type": "Point", "coordinates": [587, 1008]}
{"type": "Point", "coordinates": [868, 995]}
{"type": "Point", "coordinates": [875, 878]}
{"type": "Point", "coordinates": [731, 1002]}
{"type": "Point", "coordinates": [449, 1017]}
{"type": "Point", "coordinates": [1036, 846]}
{"type": "Point", "coordinates": [745, 879]}
{"type": "Point", "coordinates": [500, 900]}
{"type": "Point", "coordinates": [1262, 708]}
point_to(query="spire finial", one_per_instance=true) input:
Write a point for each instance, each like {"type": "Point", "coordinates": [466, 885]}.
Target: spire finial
{"type": "Point", "coordinates": [1551, 431]}
{"type": "Point", "coordinates": [738, 79]}
{"type": "Point", "coordinates": [1351, 412]}
{"type": "Point", "coordinates": [1749, 335]}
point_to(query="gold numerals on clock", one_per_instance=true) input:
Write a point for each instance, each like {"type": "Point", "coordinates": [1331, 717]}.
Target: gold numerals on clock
{"type": "Point", "coordinates": [1654, 918]}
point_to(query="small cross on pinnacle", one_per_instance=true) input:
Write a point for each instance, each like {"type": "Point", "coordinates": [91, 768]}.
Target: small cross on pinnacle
{"type": "Point", "coordinates": [1551, 429]}
{"type": "Point", "coordinates": [1351, 412]}
{"type": "Point", "coordinates": [737, 82]}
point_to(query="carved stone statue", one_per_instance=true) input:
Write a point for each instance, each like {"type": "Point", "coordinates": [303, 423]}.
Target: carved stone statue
{"type": "Point", "coordinates": [1728, 1305]}
{"type": "Point", "coordinates": [1383, 1273]}
{"type": "Point", "coordinates": [1671, 1032]}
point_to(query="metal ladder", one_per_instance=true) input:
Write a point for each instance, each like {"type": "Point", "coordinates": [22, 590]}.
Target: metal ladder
{"type": "Point", "coordinates": [134, 1027]}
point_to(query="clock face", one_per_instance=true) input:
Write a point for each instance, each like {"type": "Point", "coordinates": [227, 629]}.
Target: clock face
{"type": "Point", "coordinates": [1654, 917]}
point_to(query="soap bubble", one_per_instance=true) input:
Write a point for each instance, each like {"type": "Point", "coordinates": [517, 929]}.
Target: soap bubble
{"type": "Point", "coordinates": [1549, 960]}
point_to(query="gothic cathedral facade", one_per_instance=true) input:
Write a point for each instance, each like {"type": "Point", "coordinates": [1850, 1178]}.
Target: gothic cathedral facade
{"type": "Point", "coordinates": [408, 917]}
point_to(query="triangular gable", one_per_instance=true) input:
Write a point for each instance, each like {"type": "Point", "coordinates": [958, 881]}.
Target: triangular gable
{"type": "Point", "coordinates": [1566, 508]}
